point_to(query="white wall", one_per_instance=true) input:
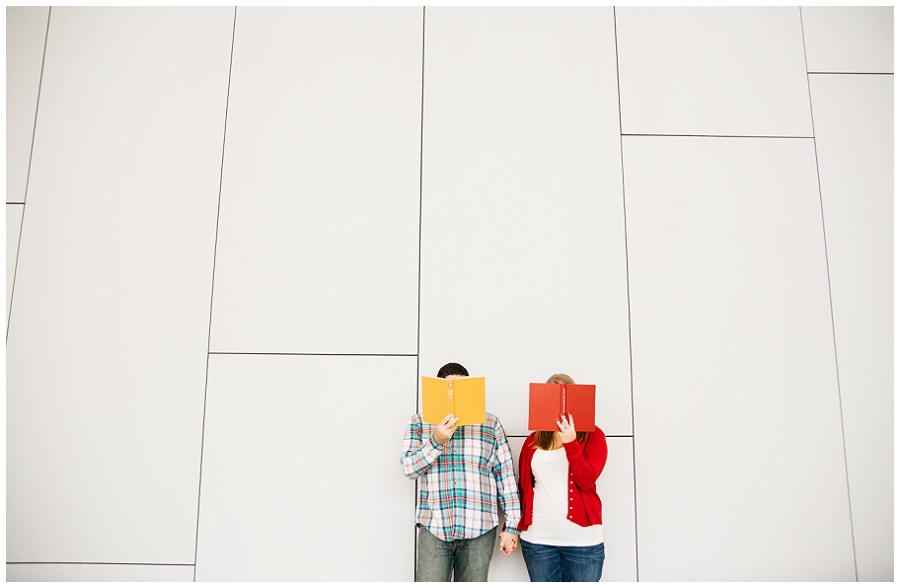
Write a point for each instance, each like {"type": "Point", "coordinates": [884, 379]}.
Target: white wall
{"type": "Point", "coordinates": [26, 29]}
{"type": "Point", "coordinates": [245, 234]}
{"type": "Point", "coordinates": [26, 33]}
{"type": "Point", "coordinates": [855, 154]}
{"type": "Point", "coordinates": [107, 344]}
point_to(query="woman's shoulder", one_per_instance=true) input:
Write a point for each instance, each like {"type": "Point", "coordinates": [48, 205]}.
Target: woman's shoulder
{"type": "Point", "coordinates": [595, 436]}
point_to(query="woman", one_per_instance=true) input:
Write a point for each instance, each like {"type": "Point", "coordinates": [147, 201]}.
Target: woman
{"type": "Point", "coordinates": [562, 526]}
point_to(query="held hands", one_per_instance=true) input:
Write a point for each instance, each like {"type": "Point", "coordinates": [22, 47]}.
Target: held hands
{"type": "Point", "coordinates": [508, 542]}
{"type": "Point", "coordinates": [566, 432]}
{"type": "Point", "coordinates": [445, 429]}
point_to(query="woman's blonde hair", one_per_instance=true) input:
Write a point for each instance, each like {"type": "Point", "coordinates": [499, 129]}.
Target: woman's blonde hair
{"type": "Point", "coordinates": [544, 439]}
{"type": "Point", "coordinates": [560, 379]}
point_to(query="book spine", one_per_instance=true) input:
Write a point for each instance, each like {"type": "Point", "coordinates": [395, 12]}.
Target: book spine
{"type": "Point", "coordinates": [564, 407]}
{"type": "Point", "coordinates": [451, 405]}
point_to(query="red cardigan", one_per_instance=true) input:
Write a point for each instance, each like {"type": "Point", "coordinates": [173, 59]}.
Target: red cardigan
{"type": "Point", "coordinates": [586, 461]}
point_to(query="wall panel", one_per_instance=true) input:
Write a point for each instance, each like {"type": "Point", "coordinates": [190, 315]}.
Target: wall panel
{"type": "Point", "coordinates": [13, 230]}
{"type": "Point", "coordinates": [97, 573]}
{"type": "Point", "coordinates": [854, 39]}
{"type": "Point", "coordinates": [854, 145]}
{"type": "Point", "coordinates": [107, 345]}
{"type": "Point", "coordinates": [523, 261]}
{"type": "Point", "coordinates": [712, 71]}
{"type": "Point", "coordinates": [301, 469]}
{"type": "Point", "coordinates": [616, 490]}
{"type": "Point", "coordinates": [318, 233]}
{"type": "Point", "coordinates": [26, 30]}
{"type": "Point", "coordinates": [738, 443]}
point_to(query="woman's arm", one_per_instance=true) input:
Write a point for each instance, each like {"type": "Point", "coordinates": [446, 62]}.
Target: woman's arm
{"type": "Point", "coordinates": [587, 462]}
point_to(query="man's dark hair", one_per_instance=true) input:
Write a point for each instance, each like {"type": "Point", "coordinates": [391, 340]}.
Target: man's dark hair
{"type": "Point", "coordinates": [452, 369]}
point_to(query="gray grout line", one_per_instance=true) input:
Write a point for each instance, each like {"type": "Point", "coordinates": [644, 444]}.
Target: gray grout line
{"type": "Point", "coordinates": [421, 166]}
{"type": "Point", "coordinates": [837, 372]}
{"type": "Point", "coordinates": [637, 573]}
{"type": "Point", "coordinates": [211, 293]}
{"type": "Point", "coordinates": [419, 283]}
{"type": "Point", "coordinates": [97, 563]}
{"type": "Point", "coordinates": [37, 106]}
{"type": "Point", "coordinates": [849, 73]}
{"type": "Point", "coordinates": [312, 354]}
{"type": "Point", "coordinates": [715, 136]}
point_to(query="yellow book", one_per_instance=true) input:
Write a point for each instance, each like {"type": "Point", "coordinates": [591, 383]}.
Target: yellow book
{"type": "Point", "coordinates": [461, 397]}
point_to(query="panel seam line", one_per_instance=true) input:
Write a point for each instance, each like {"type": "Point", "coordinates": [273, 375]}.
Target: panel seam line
{"type": "Point", "coordinates": [419, 281]}
{"type": "Point", "coordinates": [211, 293]}
{"type": "Point", "coordinates": [37, 106]}
{"type": "Point", "coordinates": [99, 563]}
{"type": "Point", "coordinates": [837, 371]}
{"type": "Point", "coordinates": [622, 135]}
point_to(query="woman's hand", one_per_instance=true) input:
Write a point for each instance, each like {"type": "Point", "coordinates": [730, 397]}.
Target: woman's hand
{"type": "Point", "coordinates": [508, 542]}
{"type": "Point", "coordinates": [445, 429]}
{"type": "Point", "coordinates": [566, 429]}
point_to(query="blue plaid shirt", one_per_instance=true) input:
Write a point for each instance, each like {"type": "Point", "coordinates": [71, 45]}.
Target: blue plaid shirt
{"type": "Point", "coordinates": [459, 483]}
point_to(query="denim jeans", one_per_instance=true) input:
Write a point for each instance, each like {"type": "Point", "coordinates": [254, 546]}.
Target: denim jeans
{"type": "Point", "coordinates": [550, 563]}
{"type": "Point", "coordinates": [467, 558]}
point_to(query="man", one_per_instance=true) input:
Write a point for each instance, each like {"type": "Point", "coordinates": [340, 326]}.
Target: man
{"type": "Point", "coordinates": [461, 472]}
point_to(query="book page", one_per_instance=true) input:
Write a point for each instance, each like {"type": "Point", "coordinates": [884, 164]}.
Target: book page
{"type": "Point", "coordinates": [544, 406]}
{"type": "Point", "coordinates": [469, 397]}
{"type": "Point", "coordinates": [580, 404]}
{"type": "Point", "coordinates": [434, 399]}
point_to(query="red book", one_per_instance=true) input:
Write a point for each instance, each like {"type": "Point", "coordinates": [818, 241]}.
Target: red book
{"type": "Point", "coordinates": [548, 401]}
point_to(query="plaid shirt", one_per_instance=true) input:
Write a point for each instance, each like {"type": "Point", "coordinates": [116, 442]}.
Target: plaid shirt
{"type": "Point", "coordinates": [459, 483]}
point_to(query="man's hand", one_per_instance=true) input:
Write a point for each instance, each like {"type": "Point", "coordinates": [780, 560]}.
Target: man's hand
{"type": "Point", "coordinates": [566, 428]}
{"type": "Point", "coordinates": [508, 542]}
{"type": "Point", "coordinates": [445, 429]}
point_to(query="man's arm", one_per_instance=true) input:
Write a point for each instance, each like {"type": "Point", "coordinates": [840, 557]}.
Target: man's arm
{"type": "Point", "coordinates": [418, 453]}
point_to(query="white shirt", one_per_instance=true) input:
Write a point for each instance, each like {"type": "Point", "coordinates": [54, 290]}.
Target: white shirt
{"type": "Point", "coordinates": [549, 522]}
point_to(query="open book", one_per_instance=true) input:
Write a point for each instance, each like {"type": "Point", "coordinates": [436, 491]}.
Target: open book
{"type": "Point", "coordinates": [462, 397]}
{"type": "Point", "coordinates": [548, 401]}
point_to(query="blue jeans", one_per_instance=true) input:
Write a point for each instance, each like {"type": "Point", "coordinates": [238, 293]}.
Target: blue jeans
{"type": "Point", "coordinates": [549, 563]}
{"type": "Point", "coordinates": [468, 559]}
